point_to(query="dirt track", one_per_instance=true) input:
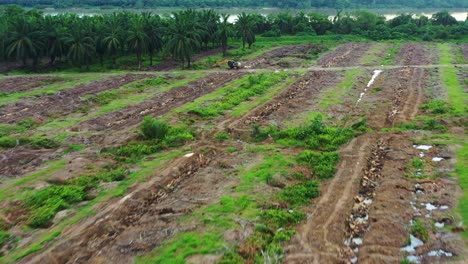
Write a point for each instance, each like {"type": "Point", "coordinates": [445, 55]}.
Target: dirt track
{"type": "Point", "coordinates": [322, 238]}
{"type": "Point", "coordinates": [345, 55]}
{"type": "Point", "coordinates": [63, 102]}
{"type": "Point", "coordinates": [465, 52]}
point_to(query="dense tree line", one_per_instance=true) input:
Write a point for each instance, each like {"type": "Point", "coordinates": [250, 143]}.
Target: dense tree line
{"type": "Point", "coordinates": [29, 36]}
{"type": "Point", "coordinates": [300, 4]}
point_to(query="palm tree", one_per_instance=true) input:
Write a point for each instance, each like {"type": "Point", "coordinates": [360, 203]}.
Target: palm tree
{"type": "Point", "coordinates": [25, 40]}
{"type": "Point", "coordinates": [208, 20]}
{"type": "Point", "coordinates": [245, 25]}
{"type": "Point", "coordinates": [55, 37]}
{"type": "Point", "coordinates": [81, 47]}
{"type": "Point", "coordinates": [137, 39]}
{"type": "Point", "coordinates": [111, 41]}
{"type": "Point", "coordinates": [183, 37]}
{"type": "Point", "coordinates": [153, 29]}
{"type": "Point", "coordinates": [224, 32]}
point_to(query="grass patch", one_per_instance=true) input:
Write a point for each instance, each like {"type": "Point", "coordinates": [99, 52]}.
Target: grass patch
{"type": "Point", "coordinates": [252, 85]}
{"type": "Point", "coordinates": [392, 52]}
{"type": "Point", "coordinates": [419, 230]}
{"type": "Point", "coordinates": [456, 95]}
{"type": "Point", "coordinates": [461, 170]}
{"type": "Point", "coordinates": [36, 143]}
{"type": "Point", "coordinates": [334, 96]}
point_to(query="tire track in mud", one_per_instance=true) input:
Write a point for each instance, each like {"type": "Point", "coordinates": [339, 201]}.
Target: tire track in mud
{"type": "Point", "coordinates": [86, 240]}
{"type": "Point", "coordinates": [294, 99]}
{"type": "Point", "coordinates": [345, 55]}
{"type": "Point", "coordinates": [63, 102]}
{"type": "Point", "coordinates": [322, 238]}
{"type": "Point", "coordinates": [161, 103]}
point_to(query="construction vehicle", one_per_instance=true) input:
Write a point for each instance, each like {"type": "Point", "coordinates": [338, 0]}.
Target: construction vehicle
{"type": "Point", "coordinates": [232, 64]}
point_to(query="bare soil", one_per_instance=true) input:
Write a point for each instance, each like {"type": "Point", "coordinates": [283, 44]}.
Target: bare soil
{"type": "Point", "coordinates": [161, 103]}
{"type": "Point", "coordinates": [292, 56]}
{"type": "Point", "coordinates": [16, 160]}
{"type": "Point", "coordinates": [465, 52]}
{"type": "Point", "coordinates": [345, 55]}
{"type": "Point", "coordinates": [22, 84]}
{"type": "Point", "coordinates": [63, 102]}
{"type": "Point", "coordinates": [416, 54]}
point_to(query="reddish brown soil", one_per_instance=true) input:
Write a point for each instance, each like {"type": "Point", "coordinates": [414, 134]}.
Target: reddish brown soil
{"type": "Point", "coordinates": [63, 102]}
{"type": "Point", "coordinates": [415, 54]}
{"type": "Point", "coordinates": [14, 161]}
{"type": "Point", "coordinates": [21, 84]}
{"type": "Point", "coordinates": [346, 55]}
{"type": "Point", "coordinates": [322, 238]}
{"type": "Point", "coordinates": [465, 52]}
{"type": "Point", "coordinates": [285, 57]}
{"type": "Point", "coordinates": [296, 98]}
{"type": "Point", "coordinates": [161, 103]}
{"type": "Point", "coordinates": [148, 215]}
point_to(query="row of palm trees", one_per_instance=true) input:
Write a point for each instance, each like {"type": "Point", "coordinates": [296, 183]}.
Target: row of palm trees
{"type": "Point", "coordinates": [30, 36]}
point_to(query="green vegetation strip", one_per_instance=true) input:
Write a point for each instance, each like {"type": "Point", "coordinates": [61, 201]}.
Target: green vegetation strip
{"type": "Point", "coordinates": [455, 90]}
{"type": "Point", "coordinates": [335, 96]}
{"type": "Point", "coordinates": [273, 226]}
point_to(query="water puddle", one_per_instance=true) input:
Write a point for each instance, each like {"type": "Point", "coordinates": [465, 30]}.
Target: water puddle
{"type": "Point", "coordinates": [369, 84]}
{"type": "Point", "coordinates": [422, 147]}
{"type": "Point", "coordinates": [189, 155]}
{"type": "Point", "coordinates": [437, 159]}
{"type": "Point", "coordinates": [439, 224]}
{"type": "Point", "coordinates": [414, 243]}
{"type": "Point", "coordinates": [439, 253]}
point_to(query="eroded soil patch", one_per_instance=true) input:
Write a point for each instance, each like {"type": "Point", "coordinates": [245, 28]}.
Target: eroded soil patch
{"type": "Point", "coordinates": [160, 104]}
{"type": "Point", "coordinates": [345, 55]}
{"type": "Point", "coordinates": [415, 54]}
{"type": "Point", "coordinates": [24, 83]}
{"type": "Point", "coordinates": [63, 102]}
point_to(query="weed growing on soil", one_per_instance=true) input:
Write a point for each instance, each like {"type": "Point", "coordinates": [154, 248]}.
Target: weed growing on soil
{"type": "Point", "coordinates": [231, 149]}
{"type": "Point", "coordinates": [391, 54]}
{"type": "Point", "coordinates": [252, 85]}
{"type": "Point", "coordinates": [426, 123]}
{"type": "Point", "coordinates": [437, 106]}
{"type": "Point", "coordinates": [419, 230]}
{"type": "Point", "coordinates": [152, 128]}
{"type": "Point", "coordinates": [322, 163]}
{"type": "Point", "coordinates": [415, 168]}
{"type": "Point", "coordinates": [334, 96]}
{"type": "Point", "coordinates": [221, 136]}
{"type": "Point", "coordinates": [300, 193]}
{"type": "Point", "coordinates": [316, 135]}
{"type": "Point", "coordinates": [37, 143]}
{"type": "Point", "coordinates": [457, 97]}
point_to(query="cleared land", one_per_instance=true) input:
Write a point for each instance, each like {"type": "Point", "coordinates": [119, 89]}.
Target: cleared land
{"type": "Point", "coordinates": [308, 154]}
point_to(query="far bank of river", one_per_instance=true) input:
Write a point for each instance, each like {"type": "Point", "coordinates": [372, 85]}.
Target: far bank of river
{"type": "Point", "coordinates": [459, 14]}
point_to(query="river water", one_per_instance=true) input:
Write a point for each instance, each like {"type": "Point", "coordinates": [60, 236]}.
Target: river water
{"type": "Point", "coordinates": [459, 14]}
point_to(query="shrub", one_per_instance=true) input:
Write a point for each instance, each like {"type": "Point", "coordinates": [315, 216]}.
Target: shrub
{"type": "Point", "coordinates": [44, 204]}
{"type": "Point", "coordinates": [322, 163]}
{"type": "Point", "coordinates": [437, 106]}
{"type": "Point", "coordinates": [221, 136]}
{"type": "Point", "coordinates": [279, 218]}
{"type": "Point", "coordinates": [299, 194]}
{"type": "Point", "coordinates": [153, 129]}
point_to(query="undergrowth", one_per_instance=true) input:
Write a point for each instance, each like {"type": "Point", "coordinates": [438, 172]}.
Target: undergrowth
{"type": "Point", "coordinates": [254, 85]}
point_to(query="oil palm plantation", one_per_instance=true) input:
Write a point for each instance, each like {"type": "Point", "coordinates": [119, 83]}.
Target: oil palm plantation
{"type": "Point", "coordinates": [183, 37]}
{"type": "Point", "coordinates": [81, 47]}
{"type": "Point", "coordinates": [224, 32]}
{"type": "Point", "coordinates": [245, 25]}
{"type": "Point", "coordinates": [137, 39]}
{"type": "Point", "coordinates": [25, 40]}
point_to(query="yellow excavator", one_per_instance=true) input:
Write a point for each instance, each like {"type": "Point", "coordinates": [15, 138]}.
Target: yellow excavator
{"type": "Point", "coordinates": [232, 64]}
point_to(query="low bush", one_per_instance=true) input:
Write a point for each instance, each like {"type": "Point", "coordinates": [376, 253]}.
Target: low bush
{"type": "Point", "coordinates": [300, 194]}
{"type": "Point", "coordinates": [437, 106]}
{"type": "Point", "coordinates": [153, 129]}
{"type": "Point", "coordinates": [276, 218]}
{"type": "Point", "coordinates": [221, 136]}
{"type": "Point", "coordinates": [45, 203]}
{"type": "Point", "coordinates": [322, 163]}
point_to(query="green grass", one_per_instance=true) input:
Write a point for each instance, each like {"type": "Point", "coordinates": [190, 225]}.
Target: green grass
{"type": "Point", "coordinates": [392, 52]}
{"type": "Point", "coordinates": [334, 96]}
{"type": "Point", "coordinates": [458, 99]}
{"type": "Point", "coordinates": [376, 50]}
{"type": "Point", "coordinates": [445, 53]}
{"type": "Point", "coordinates": [252, 85]}
{"type": "Point", "coordinates": [461, 171]}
